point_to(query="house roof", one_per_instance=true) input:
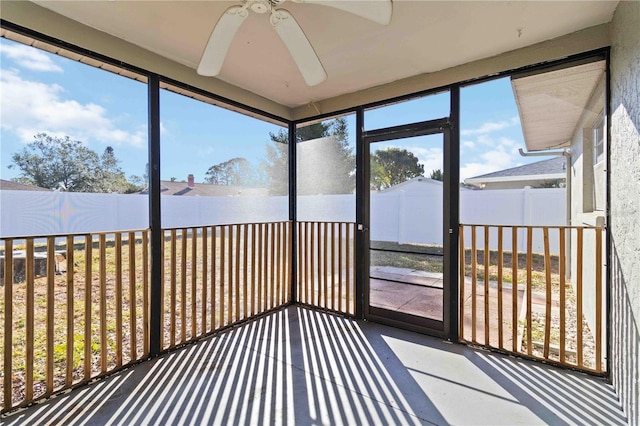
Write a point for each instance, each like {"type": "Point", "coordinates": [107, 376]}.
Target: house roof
{"type": "Point", "coordinates": [427, 45]}
{"type": "Point", "coordinates": [9, 185]}
{"type": "Point", "coordinates": [554, 168]}
{"type": "Point", "coordinates": [207, 190]}
{"type": "Point", "coordinates": [550, 105]}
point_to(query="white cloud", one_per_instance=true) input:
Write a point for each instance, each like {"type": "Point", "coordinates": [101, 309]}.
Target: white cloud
{"type": "Point", "coordinates": [431, 158]}
{"type": "Point", "coordinates": [491, 126]}
{"type": "Point", "coordinates": [29, 58]}
{"type": "Point", "coordinates": [39, 107]}
{"type": "Point", "coordinates": [494, 160]}
{"type": "Point", "coordinates": [468, 144]}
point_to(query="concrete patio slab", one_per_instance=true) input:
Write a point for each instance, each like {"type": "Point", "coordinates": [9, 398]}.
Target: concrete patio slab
{"type": "Point", "coordinates": [301, 366]}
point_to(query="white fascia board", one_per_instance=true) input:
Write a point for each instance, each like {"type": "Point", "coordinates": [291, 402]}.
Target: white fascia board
{"type": "Point", "coordinates": [550, 176]}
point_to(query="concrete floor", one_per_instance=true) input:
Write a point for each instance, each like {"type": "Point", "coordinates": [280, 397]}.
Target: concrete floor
{"type": "Point", "coordinates": [299, 366]}
{"type": "Point", "coordinates": [407, 290]}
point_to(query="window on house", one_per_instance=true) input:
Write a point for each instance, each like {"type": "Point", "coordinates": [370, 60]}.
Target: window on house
{"type": "Point", "coordinates": [599, 172]}
{"type": "Point", "coordinates": [598, 141]}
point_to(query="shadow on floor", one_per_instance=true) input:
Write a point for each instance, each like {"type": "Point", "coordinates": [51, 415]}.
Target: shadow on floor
{"type": "Point", "coordinates": [299, 366]}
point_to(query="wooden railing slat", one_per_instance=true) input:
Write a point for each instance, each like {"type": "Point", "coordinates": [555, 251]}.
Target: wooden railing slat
{"type": "Point", "coordinates": [350, 276]}
{"type": "Point", "coordinates": [579, 260]}
{"type": "Point", "coordinates": [222, 275]}
{"type": "Point", "coordinates": [563, 298]}
{"type": "Point", "coordinates": [290, 261]}
{"type": "Point", "coordinates": [237, 263]}
{"type": "Point", "coordinates": [319, 265]}
{"type": "Point", "coordinates": [173, 289]}
{"type": "Point", "coordinates": [103, 301]}
{"type": "Point", "coordinates": [245, 281]}
{"type": "Point", "coordinates": [214, 254]}
{"type": "Point", "coordinates": [312, 251]}
{"type": "Point", "coordinates": [547, 316]}
{"type": "Point", "coordinates": [183, 285]}
{"type": "Point", "coordinates": [514, 289]}
{"type": "Point", "coordinates": [194, 282]}
{"type": "Point", "coordinates": [598, 337]}
{"type": "Point", "coordinates": [461, 262]}
{"type": "Point", "coordinates": [205, 266]}
{"type": "Point", "coordinates": [325, 285]}
{"type": "Point", "coordinates": [278, 263]}
{"type": "Point", "coordinates": [272, 264]}
{"type": "Point", "coordinates": [133, 341]}
{"type": "Point", "coordinates": [529, 290]}
{"type": "Point", "coordinates": [340, 263]}
{"type": "Point", "coordinates": [8, 325]}
{"type": "Point", "coordinates": [253, 269]}
{"type": "Point", "coordinates": [51, 275]}
{"type": "Point", "coordinates": [70, 311]}
{"type": "Point", "coordinates": [118, 297]}
{"type": "Point", "coordinates": [229, 289]}
{"type": "Point", "coordinates": [487, 256]}
{"type": "Point", "coordinates": [30, 335]}
{"type": "Point", "coordinates": [260, 255]}
{"type": "Point", "coordinates": [145, 294]}
{"type": "Point", "coordinates": [474, 283]}
{"type": "Point", "coordinates": [333, 266]}
{"type": "Point", "coordinates": [500, 286]}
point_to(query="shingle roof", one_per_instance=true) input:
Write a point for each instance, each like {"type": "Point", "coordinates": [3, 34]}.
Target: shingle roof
{"type": "Point", "coordinates": [9, 185]}
{"type": "Point", "coordinates": [553, 166]}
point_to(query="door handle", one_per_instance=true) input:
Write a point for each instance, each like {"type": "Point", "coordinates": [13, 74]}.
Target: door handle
{"type": "Point", "coordinates": [362, 228]}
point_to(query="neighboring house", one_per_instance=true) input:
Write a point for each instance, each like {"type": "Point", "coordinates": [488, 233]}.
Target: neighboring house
{"type": "Point", "coordinates": [541, 174]}
{"type": "Point", "coordinates": [9, 185]}
{"type": "Point", "coordinates": [192, 189]}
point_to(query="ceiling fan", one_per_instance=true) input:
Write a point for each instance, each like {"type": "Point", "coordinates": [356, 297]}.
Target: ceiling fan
{"type": "Point", "coordinates": [288, 29]}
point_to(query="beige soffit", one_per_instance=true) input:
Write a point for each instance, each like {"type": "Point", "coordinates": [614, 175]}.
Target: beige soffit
{"type": "Point", "coordinates": [552, 104]}
{"type": "Point", "coordinates": [427, 44]}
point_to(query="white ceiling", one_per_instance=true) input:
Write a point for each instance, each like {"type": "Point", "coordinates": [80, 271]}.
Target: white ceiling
{"type": "Point", "coordinates": [423, 37]}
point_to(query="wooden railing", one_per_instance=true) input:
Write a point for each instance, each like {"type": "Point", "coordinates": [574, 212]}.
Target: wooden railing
{"type": "Point", "coordinates": [543, 305]}
{"type": "Point", "coordinates": [215, 276]}
{"type": "Point", "coordinates": [73, 308]}
{"type": "Point", "coordinates": [326, 265]}
{"type": "Point", "coordinates": [76, 307]}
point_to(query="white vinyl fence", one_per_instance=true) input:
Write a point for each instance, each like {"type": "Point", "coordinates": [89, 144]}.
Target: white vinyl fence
{"type": "Point", "coordinates": [398, 216]}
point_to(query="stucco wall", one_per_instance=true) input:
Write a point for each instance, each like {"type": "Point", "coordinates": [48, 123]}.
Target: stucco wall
{"type": "Point", "coordinates": [625, 206]}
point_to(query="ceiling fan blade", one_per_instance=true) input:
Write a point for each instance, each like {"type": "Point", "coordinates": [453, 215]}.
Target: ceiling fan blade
{"type": "Point", "coordinates": [220, 40]}
{"type": "Point", "coordinates": [299, 47]}
{"type": "Point", "coordinates": [374, 10]}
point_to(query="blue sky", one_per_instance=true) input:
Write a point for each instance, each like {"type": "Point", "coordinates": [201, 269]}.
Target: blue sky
{"type": "Point", "coordinates": [42, 92]}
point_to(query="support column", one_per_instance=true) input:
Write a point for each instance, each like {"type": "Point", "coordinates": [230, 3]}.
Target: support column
{"type": "Point", "coordinates": [155, 321]}
{"type": "Point", "coordinates": [293, 202]}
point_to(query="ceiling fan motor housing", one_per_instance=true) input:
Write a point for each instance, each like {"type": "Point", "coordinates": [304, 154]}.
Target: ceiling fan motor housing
{"type": "Point", "coordinates": [263, 6]}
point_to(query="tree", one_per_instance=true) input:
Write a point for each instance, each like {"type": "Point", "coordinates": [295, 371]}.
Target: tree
{"type": "Point", "coordinates": [393, 166]}
{"type": "Point", "coordinates": [111, 177]}
{"type": "Point", "coordinates": [62, 163]}
{"type": "Point", "coordinates": [237, 171]}
{"type": "Point", "coordinates": [325, 161]}
{"type": "Point", "coordinates": [437, 175]}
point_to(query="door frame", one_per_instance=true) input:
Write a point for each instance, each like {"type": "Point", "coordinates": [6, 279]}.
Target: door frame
{"type": "Point", "coordinates": [449, 326]}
